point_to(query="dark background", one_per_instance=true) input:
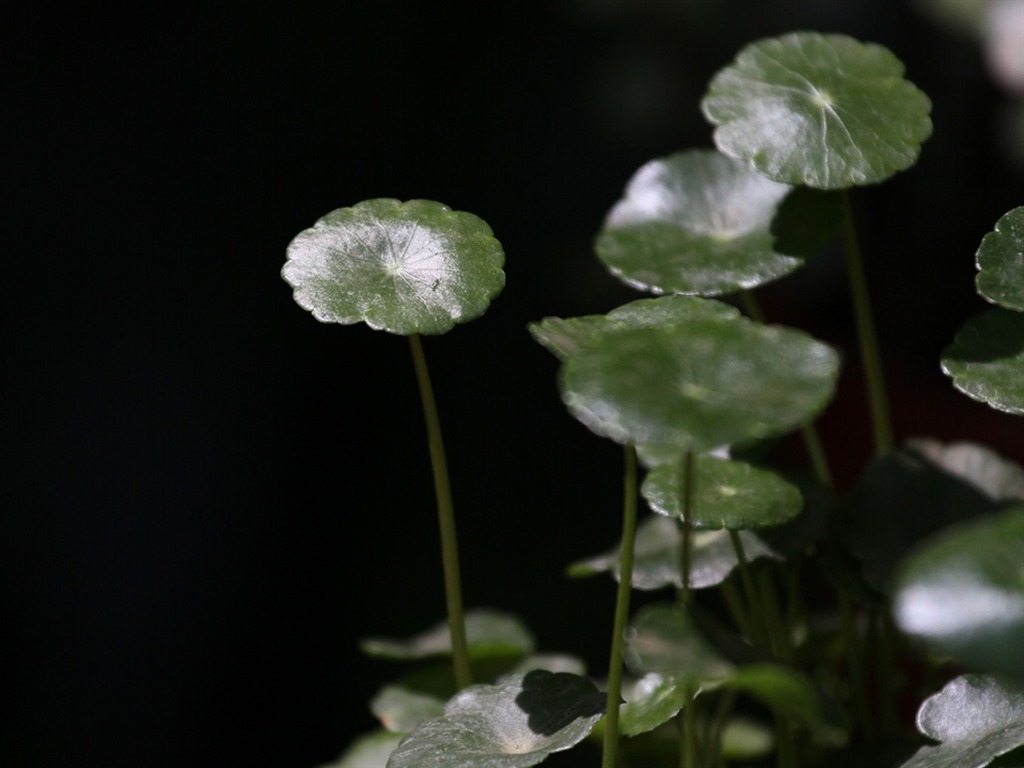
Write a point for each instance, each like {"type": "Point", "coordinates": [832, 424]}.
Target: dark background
{"type": "Point", "coordinates": [213, 496]}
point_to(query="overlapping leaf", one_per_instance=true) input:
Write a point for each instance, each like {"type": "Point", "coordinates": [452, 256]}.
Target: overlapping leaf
{"type": "Point", "coordinates": [512, 725]}
{"type": "Point", "coordinates": [413, 267]}
{"type": "Point", "coordinates": [1000, 259]}
{"type": "Point", "coordinates": [700, 223]}
{"type": "Point", "coordinates": [986, 359]}
{"type": "Point", "coordinates": [700, 384]}
{"type": "Point", "coordinates": [826, 111]}
{"type": "Point", "coordinates": [370, 750]}
{"type": "Point", "coordinates": [963, 592]}
{"type": "Point", "coordinates": [488, 633]}
{"type": "Point", "coordinates": [726, 494]}
{"type": "Point", "coordinates": [657, 555]}
{"type": "Point", "coordinates": [976, 718]}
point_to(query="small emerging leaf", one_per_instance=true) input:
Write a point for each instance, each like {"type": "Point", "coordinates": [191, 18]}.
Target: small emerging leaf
{"type": "Point", "coordinates": [976, 718]}
{"type": "Point", "coordinates": [512, 725]}
{"type": "Point", "coordinates": [489, 633]}
{"type": "Point", "coordinates": [657, 555]}
{"type": "Point", "coordinates": [986, 359]}
{"type": "Point", "coordinates": [825, 111]}
{"type": "Point", "coordinates": [698, 223]}
{"type": "Point", "coordinates": [1000, 260]}
{"type": "Point", "coordinates": [963, 593]}
{"type": "Point", "coordinates": [405, 268]}
{"type": "Point", "coordinates": [727, 494]}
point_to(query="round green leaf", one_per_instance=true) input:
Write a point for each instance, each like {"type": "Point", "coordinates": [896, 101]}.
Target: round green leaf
{"type": "Point", "coordinates": [489, 633]}
{"type": "Point", "coordinates": [1000, 260]}
{"type": "Point", "coordinates": [405, 268]}
{"type": "Point", "coordinates": [996, 477]}
{"type": "Point", "coordinates": [652, 700]}
{"type": "Point", "coordinates": [697, 223]}
{"type": "Point", "coordinates": [566, 337]}
{"type": "Point", "coordinates": [401, 709]}
{"type": "Point", "coordinates": [657, 556]}
{"type": "Point", "coordinates": [699, 385]}
{"type": "Point", "coordinates": [727, 494]}
{"type": "Point", "coordinates": [986, 359]}
{"type": "Point", "coordinates": [825, 111]}
{"type": "Point", "coordinates": [512, 725]}
{"type": "Point", "coordinates": [370, 750]}
{"type": "Point", "coordinates": [963, 592]}
{"type": "Point", "coordinates": [975, 717]}
{"type": "Point", "coordinates": [664, 639]}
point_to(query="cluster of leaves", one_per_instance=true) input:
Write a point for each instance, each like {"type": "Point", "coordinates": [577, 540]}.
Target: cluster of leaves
{"type": "Point", "coordinates": [929, 542]}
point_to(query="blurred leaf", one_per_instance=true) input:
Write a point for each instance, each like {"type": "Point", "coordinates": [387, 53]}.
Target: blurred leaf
{"type": "Point", "coordinates": [727, 494]}
{"type": "Point", "coordinates": [825, 111]}
{"type": "Point", "coordinates": [700, 384]}
{"type": "Point", "coordinates": [413, 267]}
{"type": "Point", "coordinates": [962, 591]}
{"type": "Point", "coordinates": [697, 222]}
{"type": "Point", "coordinates": [986, 359]}
{"type": "Point", "coordinates": [657, 556]}
{"type": "Point", "coordinates": [1000, 260]}
{"type": "Point", "coordinates": [512, 725]}
{"type": "Point", "coordinates": [996, 477]}
{"type": "Point", "coordinates": [975, 717]}
{"type": "Point", "coordinates": [565, 337]}
{"type": "Point", "coordinates": [664, 640]}
{"type": "Point", "coordinates": [489, 633]}
{"type": "Point", "coordinates": [401, 709]}
{"type": "Point", "coordinates": [370, 750]}
{"type": "Point", "coordinates": [902, 499]}
{"type": "Point", "coordinates": [650, 701]}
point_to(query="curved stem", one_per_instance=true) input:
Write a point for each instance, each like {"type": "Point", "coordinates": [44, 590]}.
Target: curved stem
{"type": "Point", "coordinates": [446, 518]}
{"type": "Point", "coordinates": [878, 399]}
{"type": "Point", "coordinates": [629, 506]}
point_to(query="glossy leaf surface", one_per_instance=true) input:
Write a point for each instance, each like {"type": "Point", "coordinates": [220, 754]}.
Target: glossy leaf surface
{"type": "Point", "coordinates": [825, 111]}
{"type": "Point", "coordinates": [975, 717]}
{"type": "Point", "coordinates": [652, 700]}
{"type": "Point", "coordinates": [1000, 260]}
{"type": "Point", "coordinates": [727, 494]}
{"type": "Point", "coordinates": [700, 384]}
{"type": "Point", "coordinates": [488, 633]}
{"type": "Point", "coordinates": [986, 359]}
{"type": "Point", "coordinates": [412, 267]}
{"type": "Point", "coordinates": [697, 223]}
{"type": "Point", "coordinates": [565, 337]}
{"type": "Point", "coordinates": [963, 593]}
{"type": "Point", "coordinates": [512, 725]}
{"type": "Point", "coordinates": [657, 556]}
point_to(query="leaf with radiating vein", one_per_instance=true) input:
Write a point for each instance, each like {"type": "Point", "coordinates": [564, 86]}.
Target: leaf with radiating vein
{"type": "Point", "coordinates": [1000, 260]}
{"type": "Point", "coordinates": [700, 223]}
{"type": "Point", "coordinates": [699, 385]}
{"type": "Point", "coordinates": [976, 717]}
{"type": "Point", "coordinates": [826, 111]}
{"type": "Point", "coordinates": [512, 725]}
{"type": "Point", "coordinates": [726, 494]}
{"type": "Point", "coordinates": [986, 359]}
{"type": "Point", "coordinates": [963, 593]}
{"type": "Point", "coordinates": [413, 267]}
{"type": "Point", "coordinates": [657, 556]}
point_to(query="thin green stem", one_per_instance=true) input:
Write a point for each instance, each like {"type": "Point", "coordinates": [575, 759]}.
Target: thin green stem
{"type": "Point", "coordinates": [446, 518]}
{"type": "Point", "coordinates": [758, 633]}
{"type": "Point", "coordinates": [751, 306]}
{"type": "Point", "coordinates": [685, 528]}
{"type": "Point", "coordinates": [734, 604]}
{"type": "Point", "coordinates": [629, 508]}
{"type": "Point", "coordinates": [855, 663]}
{"type": "Point", "coordinates": [713, 747]}
{"type": "Point", "coordinates": [780, 641]}
{"type": "Point", "coordinates": [687, 721]}
{"type": "Point", "coordinates": [871, 357]}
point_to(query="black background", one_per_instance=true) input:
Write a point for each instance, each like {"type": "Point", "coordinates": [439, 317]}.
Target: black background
{"type": "Point", "coordinates": [213, 496]}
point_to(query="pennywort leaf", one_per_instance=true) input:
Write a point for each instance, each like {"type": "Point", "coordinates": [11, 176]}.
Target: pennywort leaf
{"type": "Point", "coordinates": [825, 111]}
{"type": "Point", "coordinates": [975, 717]}
{"type": "Point", "coordinates": [1000, 261]}
{"type": "Point", "coordinates": [962, 591]}
{"type": "Point", "coordinates": [512, 725]}
{"type": "Point", "coordinates": [986, 359]}
{"type": "Point", "coordinates": [489, 633]}
{"type": "Point", "coordinates": [727, 494]}
{"type": "Point", "coordinates": [370, 750]}
{"type": "Point", "coordinates": [405, 268]}
{"type": "Point", "coordinates": [698, 223]}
